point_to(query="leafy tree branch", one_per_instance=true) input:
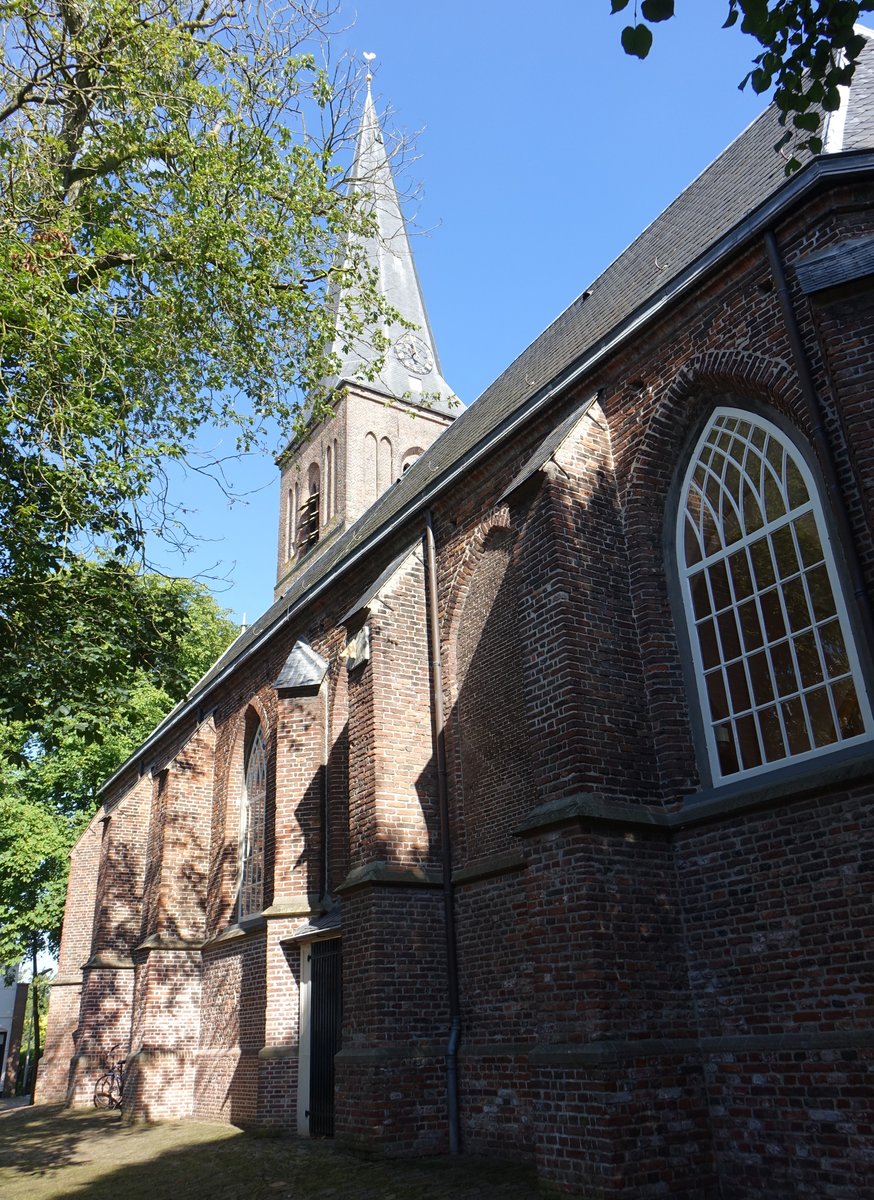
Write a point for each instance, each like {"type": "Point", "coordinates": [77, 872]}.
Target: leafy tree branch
{"type": "Point", "coordinates": [809, 50]}
{"type": "Point", "coordinates": [171, 205]}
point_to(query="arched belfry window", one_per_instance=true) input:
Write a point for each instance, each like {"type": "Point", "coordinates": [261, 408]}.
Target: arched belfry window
{"type": "Point", "coordinates": [252, 813]}
{"type": "Point", "coordinates": [773, 651]}
{"type": "Point", "coordinates": [310, 512]}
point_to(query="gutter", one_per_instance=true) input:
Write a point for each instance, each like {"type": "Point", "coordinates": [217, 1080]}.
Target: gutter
{"type": "Point", "coordinates": [821, 170]}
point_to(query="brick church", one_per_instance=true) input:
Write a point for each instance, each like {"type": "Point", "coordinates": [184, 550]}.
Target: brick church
{"type": "Point", "coordinates": [534, 819]}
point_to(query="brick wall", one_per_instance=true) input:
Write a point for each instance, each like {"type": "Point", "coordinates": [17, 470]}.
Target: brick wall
{"type": "Point", "coordinates": [494, 783]}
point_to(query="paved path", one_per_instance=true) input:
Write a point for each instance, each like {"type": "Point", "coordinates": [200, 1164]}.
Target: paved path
{"type": "Point", "coordinates": [47, 1153]}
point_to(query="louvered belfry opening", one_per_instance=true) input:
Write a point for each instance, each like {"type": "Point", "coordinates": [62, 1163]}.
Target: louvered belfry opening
{"type": "Point", "coordinates": [326, 1025]}
{"type": "Point", "coordinates": [308, 523]}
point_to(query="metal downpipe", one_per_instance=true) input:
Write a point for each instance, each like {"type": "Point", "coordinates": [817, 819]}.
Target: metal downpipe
{"type": "Point", "coordinates": [325, 856]}
{"type": "Point", "coordinates": [438, 729]}
{"type": "Point", "coordinates": [821, 440]}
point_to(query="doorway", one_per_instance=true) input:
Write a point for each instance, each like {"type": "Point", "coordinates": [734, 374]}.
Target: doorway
{"type": "Point", "coordinates": [320, 1034]}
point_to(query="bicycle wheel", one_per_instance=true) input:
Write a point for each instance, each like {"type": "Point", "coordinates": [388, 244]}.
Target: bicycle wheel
{"type": "Point", "coordinates": [107, 1093]}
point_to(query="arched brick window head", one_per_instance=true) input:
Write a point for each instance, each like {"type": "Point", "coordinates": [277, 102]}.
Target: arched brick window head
{"type": "Point", "coordinates": [775, 662]}
{"type": "Point", "coordinates": [252, 814]}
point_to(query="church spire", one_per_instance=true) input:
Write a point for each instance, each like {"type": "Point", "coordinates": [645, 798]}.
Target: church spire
{"type": "Point", "coordinates": [411, 371]}
{"type": "Point", "coordinates": [380, 421]}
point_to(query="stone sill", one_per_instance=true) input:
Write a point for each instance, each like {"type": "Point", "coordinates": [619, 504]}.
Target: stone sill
{"type": "Point", "coordinates": [829, 773]}
{"type": "Point", "coordinates": [785, 785]}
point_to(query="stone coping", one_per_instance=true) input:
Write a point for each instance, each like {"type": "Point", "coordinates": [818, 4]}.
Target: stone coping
{"type": "Point", "coordinates": [277, 1053]}
{"type": "Point", "coordinates": [293, 906]}
{"type": "Point", "coordinates": [378, 874]}
{"type": "Point", "coordinates": [160, 941]}
{"type": "Point", "coordinates": [283, 908]}
{"type": "Point", "coordinates": [489, 866]}
{"type": "Point", "coordinates": [235, 932]}
{"type": "Point", "coordinates": [105, 961]}
{"type": "Point", "coordinates": [391, 1053]}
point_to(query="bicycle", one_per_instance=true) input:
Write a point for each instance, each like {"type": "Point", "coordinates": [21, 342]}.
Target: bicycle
{"type": "Point", "coordinates": [109, 1088]}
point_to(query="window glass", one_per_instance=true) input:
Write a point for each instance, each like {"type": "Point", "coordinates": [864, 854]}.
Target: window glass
{"type": "Point", "coordinates": [776, 666]}
{"type": "Point", "coordinates": [253, 808]}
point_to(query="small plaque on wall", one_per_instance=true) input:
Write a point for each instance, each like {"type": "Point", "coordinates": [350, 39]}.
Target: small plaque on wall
{"type": "Point", "coordinates": [357, 649]}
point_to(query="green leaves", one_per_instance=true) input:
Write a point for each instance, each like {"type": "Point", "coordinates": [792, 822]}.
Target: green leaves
{"type": "Point", "coordinates": [657, 10]}
{"type": "Point", "coordinates": [636, 40]}
{"type": "Point", "coordinates": [809, 50]}
{"type": "Point", "coordinates": [169, 227]}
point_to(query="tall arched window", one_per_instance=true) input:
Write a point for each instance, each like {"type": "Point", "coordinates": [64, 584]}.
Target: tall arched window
{"type": "Point", "coordinates": [384, 477]}
{"type": "Point", "coordinates": [292, 503]}
{"type": "Point", "coordinates": [775, 662]}
{"type": "Point", "coordinates": [371, 469]}
{"type": "Point", "coordinates": [329, 485]}
{"type": "Point", "coordinates": [252, 813]}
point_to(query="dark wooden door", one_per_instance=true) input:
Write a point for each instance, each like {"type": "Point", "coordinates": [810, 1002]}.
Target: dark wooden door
{"type": "Point", "coordinates": [326, 1020]}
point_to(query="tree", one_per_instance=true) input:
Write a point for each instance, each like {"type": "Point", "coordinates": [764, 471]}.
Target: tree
{"type": "Point", "coordinates": [170, 210]}
{"type": "Point", "coordinates": [53, 762]}
{"type": "Point", "coordinates": [809, 50]}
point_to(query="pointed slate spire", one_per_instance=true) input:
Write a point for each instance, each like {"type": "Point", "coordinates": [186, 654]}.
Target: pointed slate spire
{"type": "Point", "coordinates": [412, 369]}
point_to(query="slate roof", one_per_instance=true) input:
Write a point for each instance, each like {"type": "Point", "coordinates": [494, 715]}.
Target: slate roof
{"type": "Point", "coordinates": [747, 175]}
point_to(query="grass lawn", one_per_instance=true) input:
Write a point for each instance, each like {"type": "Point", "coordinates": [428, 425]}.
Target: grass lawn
{"type": "Point", "coordinates": [49, 1153]}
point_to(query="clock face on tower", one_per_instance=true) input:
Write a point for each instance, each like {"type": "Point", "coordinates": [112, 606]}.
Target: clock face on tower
{"type": "Point", "coordinates": [414, 354]}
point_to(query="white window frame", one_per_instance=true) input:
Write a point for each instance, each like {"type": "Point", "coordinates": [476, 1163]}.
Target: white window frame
{"type": "Point", "coordinates": [687, 572]}
{"type": "Point", "coordinates": [253, 810]}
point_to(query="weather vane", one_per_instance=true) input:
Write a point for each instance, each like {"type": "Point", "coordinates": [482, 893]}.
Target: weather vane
{"type": "Point", "coordinates": [368, 58]}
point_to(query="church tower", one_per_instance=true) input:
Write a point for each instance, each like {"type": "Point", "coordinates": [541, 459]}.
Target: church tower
{"type": "Point", "coordinates": [382, 421]}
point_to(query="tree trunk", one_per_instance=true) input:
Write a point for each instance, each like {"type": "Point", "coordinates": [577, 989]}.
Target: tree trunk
{"type": "Point", "coordinates": [35, 989]}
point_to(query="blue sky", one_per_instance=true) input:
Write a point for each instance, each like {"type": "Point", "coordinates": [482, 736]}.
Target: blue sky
{"type": "Point", "coordinates": [542, 151]}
